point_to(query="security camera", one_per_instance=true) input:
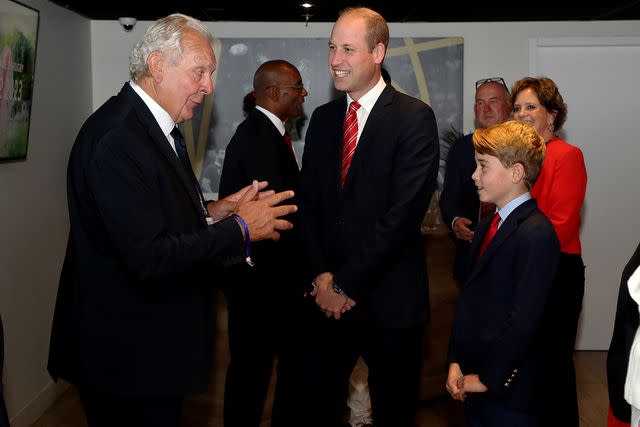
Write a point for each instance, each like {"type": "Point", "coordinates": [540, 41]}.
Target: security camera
{"type": "Point", "coordinates": [127, 24]}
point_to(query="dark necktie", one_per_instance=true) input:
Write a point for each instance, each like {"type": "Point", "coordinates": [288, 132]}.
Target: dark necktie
{"type": "Point", "coordinates": [183, 155]}
{"type": "Point", "coordinates": [493, 228]}
{"type": "Point", "coordinates": [349, 138]}
{"type": "Point", "coordinates": [287, 140]}
{"type": "Point", "coordinates": [181, 148]}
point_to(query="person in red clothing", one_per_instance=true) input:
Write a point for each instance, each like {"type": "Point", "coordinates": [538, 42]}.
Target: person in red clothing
{"type": "Point", "coordinates": [559, 191]}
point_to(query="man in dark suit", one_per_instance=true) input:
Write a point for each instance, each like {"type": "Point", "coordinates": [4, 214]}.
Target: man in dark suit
{"type": "Point", "coordinates": [364, 189]}
{"type": "Point", "coordinates": [133, 326]}
{"type": "Point", "coordinates": [459, 203]}
{"type": "Point", "coordinates": [261, 300]}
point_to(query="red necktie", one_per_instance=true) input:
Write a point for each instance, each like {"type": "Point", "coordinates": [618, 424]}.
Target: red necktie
{"type": "Point", "coordinates": [349, 137]}
{"type": "Point", "coordinates": [493, 228]}
{"type": "Point", "coordinates": [287, 140]}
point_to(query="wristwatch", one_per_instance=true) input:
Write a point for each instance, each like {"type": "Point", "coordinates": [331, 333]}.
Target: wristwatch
{"type": "Point", "coordinates": [337, 289]}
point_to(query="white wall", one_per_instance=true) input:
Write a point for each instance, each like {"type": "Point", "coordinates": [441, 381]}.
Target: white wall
{"type": "Point", "coordinates": [604, 106]}
{"type": "Point", "coordinates": [33, 214]}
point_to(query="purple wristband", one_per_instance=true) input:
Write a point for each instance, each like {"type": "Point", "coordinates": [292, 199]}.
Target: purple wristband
{"type": "Point", "coordinates": [247, 239]}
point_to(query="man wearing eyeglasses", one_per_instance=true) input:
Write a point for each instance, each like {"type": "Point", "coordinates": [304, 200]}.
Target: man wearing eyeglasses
{"type": "Point", "coordinates": [262, 315]}
{"type": "Point", "coordinates": [459, 201]}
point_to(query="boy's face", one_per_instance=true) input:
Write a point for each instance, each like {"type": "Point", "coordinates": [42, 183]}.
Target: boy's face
{"type": "Point", "coordinates": [494, 182]}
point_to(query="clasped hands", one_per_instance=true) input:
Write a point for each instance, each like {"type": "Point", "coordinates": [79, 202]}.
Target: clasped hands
{"type": "Point", "coordinates": [461, 229]}
{"type": "Point", "coordinates": [330, 302]}
{"type": "Point", "coordinates": [259, 209]}
{"type": "Point", "coordinates": [458, 384]}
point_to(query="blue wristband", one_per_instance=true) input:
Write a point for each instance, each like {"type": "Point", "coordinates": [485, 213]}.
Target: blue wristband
{"type": "Point", "coordinates": [247, 239]}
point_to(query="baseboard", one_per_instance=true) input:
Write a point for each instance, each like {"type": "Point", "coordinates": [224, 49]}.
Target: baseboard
{"type": "Point", "coordinates": [34, 409]}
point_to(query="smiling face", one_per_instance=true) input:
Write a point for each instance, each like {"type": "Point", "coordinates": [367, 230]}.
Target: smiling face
{"type": "Point", "coordinates": [492, 106]}
{"type": "Point", "coordinates": [527, 108]}
{"type": "Point", "coordinates": [494, 182]}
{"type": "Point", "coordinates": [355, 68]}
{"type": "Point", "coordinates": [180, 88]}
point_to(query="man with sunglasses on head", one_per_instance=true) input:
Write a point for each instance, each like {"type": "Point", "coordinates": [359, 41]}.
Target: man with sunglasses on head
{"type": "Point", "coordinates": [262, 316]}
{"type": "Point", "coordinates": [459, 203]}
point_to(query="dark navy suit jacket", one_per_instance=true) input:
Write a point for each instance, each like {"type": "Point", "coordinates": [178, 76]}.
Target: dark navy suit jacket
{"type": "Point", "coordinates": [368, 233]}
{"type": "Point", "coordinates": [498, 329]}
{"type": "Point", "coordinates": [258, 151]}
{"type": "Point", "coordinates": [135, 306]}
{"type": "Point", "coordinates": [459, 197]}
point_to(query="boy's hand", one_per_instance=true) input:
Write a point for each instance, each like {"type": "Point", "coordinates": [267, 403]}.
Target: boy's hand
{"type": "Point", "coordinates": [471, 384]}
{"type": "Point", "coordinates": [455, 374]}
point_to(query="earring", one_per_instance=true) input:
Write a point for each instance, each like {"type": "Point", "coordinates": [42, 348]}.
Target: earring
{"type": "Point", "coordinates": [551, 127]}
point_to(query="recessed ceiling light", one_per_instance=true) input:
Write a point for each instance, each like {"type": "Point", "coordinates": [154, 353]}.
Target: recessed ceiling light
{"type": "Point", "coordinates": [306, 5]}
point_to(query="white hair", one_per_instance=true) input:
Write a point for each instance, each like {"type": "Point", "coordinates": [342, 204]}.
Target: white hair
{"type": "Point", "coordinates": [165, 35]}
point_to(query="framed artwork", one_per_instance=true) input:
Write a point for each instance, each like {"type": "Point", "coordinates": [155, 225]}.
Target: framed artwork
{"type": "Point", "coordinates": [18, 40]}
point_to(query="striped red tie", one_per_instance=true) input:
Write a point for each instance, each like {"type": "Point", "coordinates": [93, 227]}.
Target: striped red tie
{"type": "Point", "coordinates": [349, 137]}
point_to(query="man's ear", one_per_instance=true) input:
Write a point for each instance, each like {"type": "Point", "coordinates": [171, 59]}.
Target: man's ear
{"type": "Point", "coordinates": [274, 93]}
{"type": "Point", "coordinates": [157, 66]}
{"type": "Point", "coordinates": [518, 172]}
{"type": "Point", "coordinates": [379, 52]}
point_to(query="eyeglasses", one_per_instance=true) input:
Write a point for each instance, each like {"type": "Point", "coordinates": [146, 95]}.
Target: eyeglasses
{"type": "Point", "coordinates": [498, 80]}
{"type": "Point", "coordinates": [299, 86]}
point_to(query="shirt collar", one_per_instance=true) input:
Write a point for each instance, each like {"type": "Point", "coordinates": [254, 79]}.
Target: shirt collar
{"type": "Point", "coordinates": [274, 119]}
{"type": "Point", "coordinates": [368, 100]}
{"type": "Point", "coordinates": [163, 118]}
{"type": "Point", "coordinates": [512, 205]}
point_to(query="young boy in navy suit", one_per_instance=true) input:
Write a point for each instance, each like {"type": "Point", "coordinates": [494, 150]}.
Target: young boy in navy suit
{"type": "Point", "coordinates": [497, 341]}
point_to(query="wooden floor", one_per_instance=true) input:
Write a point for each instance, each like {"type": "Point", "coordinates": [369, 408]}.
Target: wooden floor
{"type": "Point", "coordinates": [437, 409]}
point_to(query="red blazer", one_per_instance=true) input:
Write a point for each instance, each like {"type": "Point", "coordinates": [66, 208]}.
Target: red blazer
{"type": "Point", "coordinates": [560, 191]}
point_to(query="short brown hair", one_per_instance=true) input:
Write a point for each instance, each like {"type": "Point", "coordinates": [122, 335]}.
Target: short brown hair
{"type": "Point", "coordinates": [377, 27]}
{"type": "Point", "coordinates": [513, 142]}
{"type": "Point", "coordinates": [548, 95]}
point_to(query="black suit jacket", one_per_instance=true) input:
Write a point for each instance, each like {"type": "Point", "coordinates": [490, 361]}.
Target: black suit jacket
{"type": "Point", "coordinates": [135, 306]}
{"type": "Point", "coordinates": [498, 330]}
{"type": "Point", "coordinates": [258, 151]}
{"type": "Point", "coordinates": [459, 197]}
{"type": "Point", "coordinates": [368, 233]}
{"type": "Point", "coordinates": [624, 330]}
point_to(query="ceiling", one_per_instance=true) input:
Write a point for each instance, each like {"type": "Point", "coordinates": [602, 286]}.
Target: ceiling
{"type": "Point", "coordinates": [392, 10]}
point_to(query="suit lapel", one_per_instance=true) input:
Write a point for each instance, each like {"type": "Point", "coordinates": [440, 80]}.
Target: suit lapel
{"type": "Point", "coordinates": [508, 227]}
{"type": "Point", "coordinates": [161, 144]}
{"type": "Point", "coordinates": [276, 139]}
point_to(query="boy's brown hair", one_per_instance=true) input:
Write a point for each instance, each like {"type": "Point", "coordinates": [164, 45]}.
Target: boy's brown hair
{"type": "Point", "coordinates": [513, 142]}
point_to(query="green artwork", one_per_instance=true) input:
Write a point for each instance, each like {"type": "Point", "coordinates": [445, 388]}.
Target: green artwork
{"type": "Point", "coordinates": [18, 36]}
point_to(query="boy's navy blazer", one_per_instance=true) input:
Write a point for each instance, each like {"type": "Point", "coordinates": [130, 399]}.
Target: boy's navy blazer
{"type": "Point", "coordinates": [498, 329]}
